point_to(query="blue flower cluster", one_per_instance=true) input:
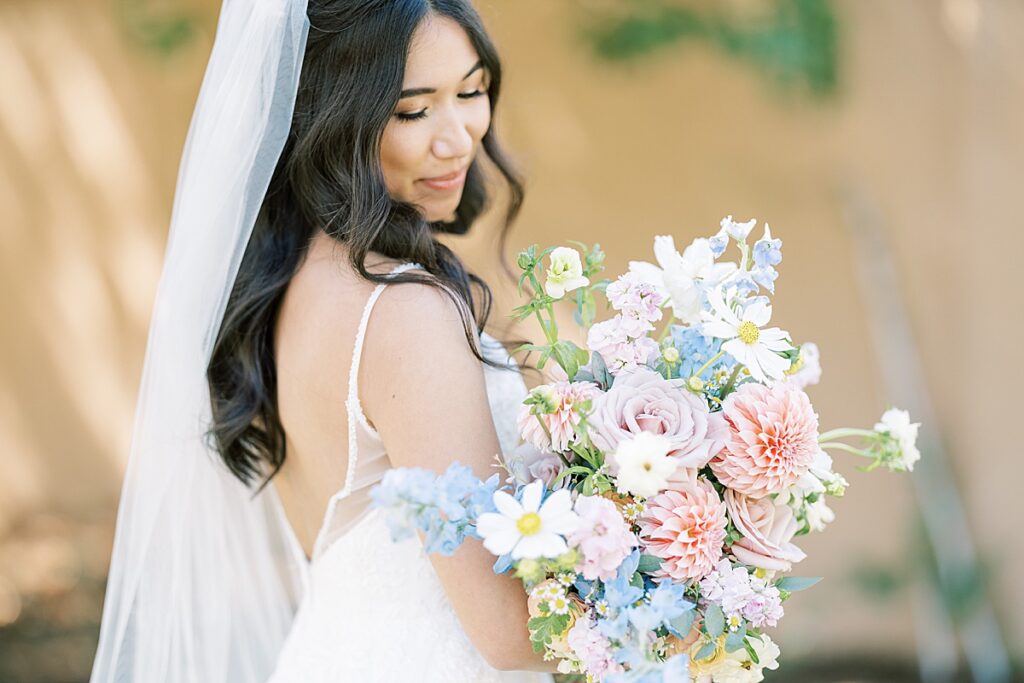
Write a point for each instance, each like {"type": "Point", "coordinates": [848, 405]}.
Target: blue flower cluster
{"type": "Point", "coordinates": [767, 255]}
{"type": "Point", "coordinates": [695, 350]}
{"type": "Point", "coordinates": [633, 604]}
{"type": "Point", "coordinates": [444, 507]}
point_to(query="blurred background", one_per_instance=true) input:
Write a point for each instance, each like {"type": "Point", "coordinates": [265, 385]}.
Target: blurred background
{"type": "Point", "coordinates": [883, 140]}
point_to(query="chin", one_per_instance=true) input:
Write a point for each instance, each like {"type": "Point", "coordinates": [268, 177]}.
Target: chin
{"type": "Point", "coordinates": [445, 213]}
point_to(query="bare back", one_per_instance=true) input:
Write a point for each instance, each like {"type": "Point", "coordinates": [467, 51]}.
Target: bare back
{"type": "Point", "coordinates": [317, 323]}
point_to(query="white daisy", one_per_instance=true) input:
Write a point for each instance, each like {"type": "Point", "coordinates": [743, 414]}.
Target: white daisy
{"type": "Point", "coordinates": [644, 464]}
{"type": "Point", "coordinates": [559, 605]}
{"type": "Point", "coordinates": [528, 529]}
{"type": "Point", "coordinates": [755, 348]}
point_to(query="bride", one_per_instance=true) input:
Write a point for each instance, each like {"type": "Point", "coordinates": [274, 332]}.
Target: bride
{"type": "Point", "coordinates": [309, 333]}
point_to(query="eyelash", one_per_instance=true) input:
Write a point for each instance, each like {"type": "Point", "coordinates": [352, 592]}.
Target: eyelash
{"type": "Point", "coordinates": [405, 118]}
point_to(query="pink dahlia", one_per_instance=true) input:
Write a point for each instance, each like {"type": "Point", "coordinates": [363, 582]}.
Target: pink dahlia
{"type": "Point", "coordinates": [685, 527]}
{"type": "Point", "coordinates": [565, 399]}
{"type": "Point", "coordinates": [773, 439]}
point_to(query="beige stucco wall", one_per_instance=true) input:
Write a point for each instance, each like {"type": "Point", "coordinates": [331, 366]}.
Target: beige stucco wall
{"type": "Point", "coordinates": [926, 124]}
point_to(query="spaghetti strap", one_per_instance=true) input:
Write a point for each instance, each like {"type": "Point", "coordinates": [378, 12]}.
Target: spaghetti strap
{"type": "Point", "coordinates": [353, 408]}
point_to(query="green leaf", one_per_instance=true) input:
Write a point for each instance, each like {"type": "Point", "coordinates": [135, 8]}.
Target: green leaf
{"type": "Point", "coordinates": [588, 486]}
{"type": "Point", "coordinates": [714, 620]}
{"type": "Point", "coordinates": [751, 652]}
{"type": "Point", "coordinates": [600, 370]}
{"type": "Point", "coordinates": [544, 628]}
{"type": "Point", "coordinates": [706, 651]}
{"type": "Point", "coordinates": [636, 580]}
{"type": "Point", "coordinates": [648, 563]}
{"type": "Point", "coordinates": [736, 639]}
{"type": "Point", "coordinates": [796, 583]}
{"type": "Point", "coordinates": [684, 622]}
{"type": "Point", "coordinates": [528, 347]}
{"type": "Point", "coordinates": [565, 354]}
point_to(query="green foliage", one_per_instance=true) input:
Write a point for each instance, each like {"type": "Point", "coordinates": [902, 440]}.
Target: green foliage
{"type": "Point", "coordinates": [545, 628]}
{"type": "Point", "coordinates": [792, 584]}
{"type": "Point", "coordinates": [795, 43]}
{"type": "Point", "coordinates": [158, 27]}
{"type": "Point", "coordinates": [736, 639]}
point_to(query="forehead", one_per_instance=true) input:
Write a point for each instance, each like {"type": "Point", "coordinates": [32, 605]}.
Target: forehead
{"type": "Point", "coordinates": [440, 53]}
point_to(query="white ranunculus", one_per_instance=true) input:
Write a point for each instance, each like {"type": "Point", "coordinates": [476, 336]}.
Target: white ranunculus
{"type": "Point", "coordinates": [528, 529]}
{"type": "Point", "coordinates": [897, 424]}
{"type": "Point", "coordinates": [644, 464]}
{"type": "Point", "coordinates": [565, 272]}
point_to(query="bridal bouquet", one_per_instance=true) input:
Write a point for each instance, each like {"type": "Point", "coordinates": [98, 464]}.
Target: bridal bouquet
{"type": "Point", "coordinates": [664, 477]}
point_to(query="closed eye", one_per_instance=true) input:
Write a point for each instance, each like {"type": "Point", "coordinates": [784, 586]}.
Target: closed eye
{"type": "Point", "coordinates": [413, 116]}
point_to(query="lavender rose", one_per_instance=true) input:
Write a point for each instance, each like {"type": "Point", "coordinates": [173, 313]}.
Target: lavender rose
{"type": "Point", "coordinates": [641, 400]}
{"type": "Point", "coordinates": [768, 529]}
{"type": "Point", "coordinates": [526, 463]}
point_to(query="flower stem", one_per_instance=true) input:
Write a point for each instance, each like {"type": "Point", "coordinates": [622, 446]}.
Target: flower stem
{"type": "Point", "coordinates": [844, 432]}
{"type": "Point", "coordinates": [727, 389]}
{"type": "Point", "coordinates": [668, 326]}
{"type": "Point", "coordinates": [709, 363]}
{"type": "Point", "coordinates": [848, 448]}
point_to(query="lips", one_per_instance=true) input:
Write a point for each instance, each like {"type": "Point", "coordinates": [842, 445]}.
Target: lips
{"type": "Point", "coordinates": [446, 182]}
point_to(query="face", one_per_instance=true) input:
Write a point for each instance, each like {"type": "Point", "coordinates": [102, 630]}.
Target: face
{"type": "Point", "coordinates": [443, 113]}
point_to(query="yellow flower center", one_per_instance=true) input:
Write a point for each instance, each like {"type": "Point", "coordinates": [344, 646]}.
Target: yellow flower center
{"type": "Point", "coordinates": [749, 334]}
{"type": "Point", "coordinates": [797, 365]}
{"type": "Point", "coordinates": [528, 524]}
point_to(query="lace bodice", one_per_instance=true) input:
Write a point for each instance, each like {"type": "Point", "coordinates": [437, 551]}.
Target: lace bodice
{"type": "Point", "coordinates": [372, 609]}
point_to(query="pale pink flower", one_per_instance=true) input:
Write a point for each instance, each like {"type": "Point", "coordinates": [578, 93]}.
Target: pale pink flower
{"type": "Point", "coordinates": [623, 342]}
{"type": "Point", "coordinates": [768, 528]}
{"type": "Point", "coordinates": [563, 423]}
{"type": "Point", "coordinates": [592, 649]}
{"type": "Point", "coordinates": [740, 593]}
{"type": "Point", "coordinates": [526, 463]}
{"type": "Point", "coordinates": [635, 297]}
{"type": "Point", "coordinates": [773, 439]}
{"type": "Point", "coordinates": [643, 401]}
{"type": "Point", "coordinates": [602, 537]}
{"type": "Point", "coordinates": [685, 527]}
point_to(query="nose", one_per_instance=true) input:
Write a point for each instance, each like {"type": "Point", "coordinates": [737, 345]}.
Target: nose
{"type": "Point", "coordinates": [453, 138]}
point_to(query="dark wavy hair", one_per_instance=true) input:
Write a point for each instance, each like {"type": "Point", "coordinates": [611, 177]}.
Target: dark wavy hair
{"type": "Point", "coordinates": [329, 178]}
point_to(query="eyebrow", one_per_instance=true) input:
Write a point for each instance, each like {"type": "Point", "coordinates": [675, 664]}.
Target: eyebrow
{"type": "Point", "coordinates": [413, 92]}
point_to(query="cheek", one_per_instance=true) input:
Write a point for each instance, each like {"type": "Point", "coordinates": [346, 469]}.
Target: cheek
{"type": "Point", "coordinates": [401, 154]}
{"type": "Point", "coordinates": [480, 121]}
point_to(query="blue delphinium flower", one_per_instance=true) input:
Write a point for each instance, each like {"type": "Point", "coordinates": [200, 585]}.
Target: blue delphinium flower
{"type": "Point", "coordinates": [767, 254]}
{"type": "Point", "coordinates": [695, 350]}
{"type": "Point", "coordinates": [675, 669]}
{"type": "Point", "coordinates": [406, 496]}
{"type": "Point", "coordinates": [665, 603]}
{"type": "Point", "coordinates": [443, 507]}
{"type": "Point", "coordinates": [718, 243]}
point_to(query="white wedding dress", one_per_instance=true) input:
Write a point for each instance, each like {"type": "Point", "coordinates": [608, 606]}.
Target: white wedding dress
{"type": "Point", "coordinates": [372, 609]}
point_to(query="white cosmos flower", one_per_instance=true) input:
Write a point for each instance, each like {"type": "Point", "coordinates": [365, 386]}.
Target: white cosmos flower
{"type": "Point", "coordinates": [528, 529]}
{"type": "Point", "coordinates": [565, 272]}
{"type": "Point", "coordinates": [644, 464]}
{"type": "Point", "coordinates": [680, 277]}
{"type": "Point", "coordinates": [755, 348]}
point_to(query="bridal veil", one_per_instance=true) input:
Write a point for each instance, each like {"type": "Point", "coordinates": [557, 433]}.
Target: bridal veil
{"type": "Point", "coordinates": [199, 589]}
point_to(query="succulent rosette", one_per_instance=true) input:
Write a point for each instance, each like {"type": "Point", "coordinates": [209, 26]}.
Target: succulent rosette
{"type": "Point", "coordinates": [654, 506]}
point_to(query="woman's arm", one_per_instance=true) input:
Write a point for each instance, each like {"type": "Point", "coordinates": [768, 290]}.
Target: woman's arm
{"type": "Point", "coordinates": [424, 391]}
